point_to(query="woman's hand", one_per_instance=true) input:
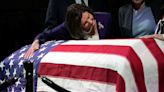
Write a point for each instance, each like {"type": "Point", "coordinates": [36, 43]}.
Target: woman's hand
{"type": "Point", "coordinates": [93, 28]}
{"type": "Point", "coordinates": [35, 46]}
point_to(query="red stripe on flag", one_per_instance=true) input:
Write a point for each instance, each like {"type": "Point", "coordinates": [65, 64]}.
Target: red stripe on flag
{"type": "Point", "coordinates": [159, 56]}
{"type": "Point", "coordinates": [125, 51]}
{"type": "Point", "coordinates": [79, 72]}
{"type": "Point", "coordinates": [85, 73]}
{"type": "Point", "coordinates": [120, 87]}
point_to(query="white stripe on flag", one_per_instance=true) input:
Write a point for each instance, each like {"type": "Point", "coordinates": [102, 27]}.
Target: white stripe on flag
{"type": "Point", "coordinates": [76, 85]}
{"type": "Point", "coordinates": [125, 42]}
{"type": "Point", "coordinates": [84, 59]}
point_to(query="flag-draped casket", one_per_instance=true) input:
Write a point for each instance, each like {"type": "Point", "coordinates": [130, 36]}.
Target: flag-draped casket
{"type": "Point", "coordinates": [117, 65]}
{"type": "Point", "coordinates": [127, 65]}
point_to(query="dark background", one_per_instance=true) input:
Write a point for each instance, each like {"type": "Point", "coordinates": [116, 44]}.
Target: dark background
{"type": "Point", "coordinates": [22, 20]}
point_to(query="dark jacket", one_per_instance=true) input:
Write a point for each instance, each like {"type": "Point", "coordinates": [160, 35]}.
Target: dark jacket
{"type": "Point", "coordinates": [57, 33]}
{"type": "Point", "coordinates": [62, 33]}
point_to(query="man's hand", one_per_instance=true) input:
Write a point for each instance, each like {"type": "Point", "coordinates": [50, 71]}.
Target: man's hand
{"type": "Point", "coordinates": [157, 36]}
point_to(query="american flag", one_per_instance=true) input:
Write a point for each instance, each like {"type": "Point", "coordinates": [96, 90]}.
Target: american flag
{"type": "Point", "coordinates": [118, 65]}
{"type": "Point", "coordinates": [121, 65]}
{"type": "Point", "coordinates": [12, 66]}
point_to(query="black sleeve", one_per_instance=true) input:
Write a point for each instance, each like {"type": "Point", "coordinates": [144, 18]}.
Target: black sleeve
{"type": "Point", "coordinates": [57, 33]}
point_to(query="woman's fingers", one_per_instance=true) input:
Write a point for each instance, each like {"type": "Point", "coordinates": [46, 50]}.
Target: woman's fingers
{"type": "Point", "coordinates": [35, 46]}
{"type": "Point", "coordinates": [29, 53]}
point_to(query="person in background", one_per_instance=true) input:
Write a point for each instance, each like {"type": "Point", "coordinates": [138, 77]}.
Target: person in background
{"type": "Point", "coordinates": [160, 25]}
{"type": "Point", "coordinates": [79, 24]}
{"type": "Point", "coordinates": [138, 19]}
{"type": "Point", "coordinates": [159, 32]}
{"type": "Point", "coordinates": [57, 9]}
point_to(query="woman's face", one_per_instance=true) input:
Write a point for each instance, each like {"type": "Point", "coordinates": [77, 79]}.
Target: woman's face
{"type": "Point", "coordinates": [87, 21]}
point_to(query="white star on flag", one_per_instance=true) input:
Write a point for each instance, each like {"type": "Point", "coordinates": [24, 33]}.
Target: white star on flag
{"type": "Point", "coordinates": [12, 89]}
{"type": "Point", "coordinates": [7, 73]}
{"type": "Point", "coordinates": [8, 89]}
{"type": "Point", "coordinates": [2, 81]}
{"type": "Point", "coordinates": [40, 56]}
{"type": "Point", "coordinates": [11, 63]}
{"type": "Point", "coordinates": [2, 65]}
{"type": "Point", "coordinates": [42, 49]}
{"type": "Point", "coordinates": [21, 56]}
{"type": "Point", "coordinates": [20, 63]}
{"type": "Point", "coordinates": [12, 56]}
{"type": "Point", "coordinates": [23, 89]}
{"type": "Point", "coordinates": [34, 72]}
{"type": "Point", "coordinates": [18, 82]}
{"type": "Point", "coordinates": [24, 73]}
{"type": "Point", "coordinates": [15, 72]}
{"type": "Point", "coordinates": [23, 49]}
{"type": "Point", "coordinates": [46, 43]}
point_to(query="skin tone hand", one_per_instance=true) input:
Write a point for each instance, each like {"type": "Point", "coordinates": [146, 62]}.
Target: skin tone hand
{"type": "Point", "coordinates": [158, 36]}
{"type": "Point", "coordinates": [35, 46]}
{"type": "Point", "coordinates": [95, 26]}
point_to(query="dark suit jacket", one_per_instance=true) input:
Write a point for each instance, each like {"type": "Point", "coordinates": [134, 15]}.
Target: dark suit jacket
{"type": "Point", "coordinates": [126, 16]}
{"type": "Point", "coordinates": [57, 9]}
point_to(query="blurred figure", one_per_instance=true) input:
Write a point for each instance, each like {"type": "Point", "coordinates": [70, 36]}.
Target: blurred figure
{"type": "Point", "coordinates": [79, 24]}
{"type": "Point", "coordinates": [159, 32]}
{"type": "Point", "coordinates": [160, 25]}
{"type": "Point", "coordinates": [138, 19]}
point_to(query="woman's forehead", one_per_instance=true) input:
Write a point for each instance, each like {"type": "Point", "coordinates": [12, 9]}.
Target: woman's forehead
{"type": "Point", "coordinates": [86, 15]}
